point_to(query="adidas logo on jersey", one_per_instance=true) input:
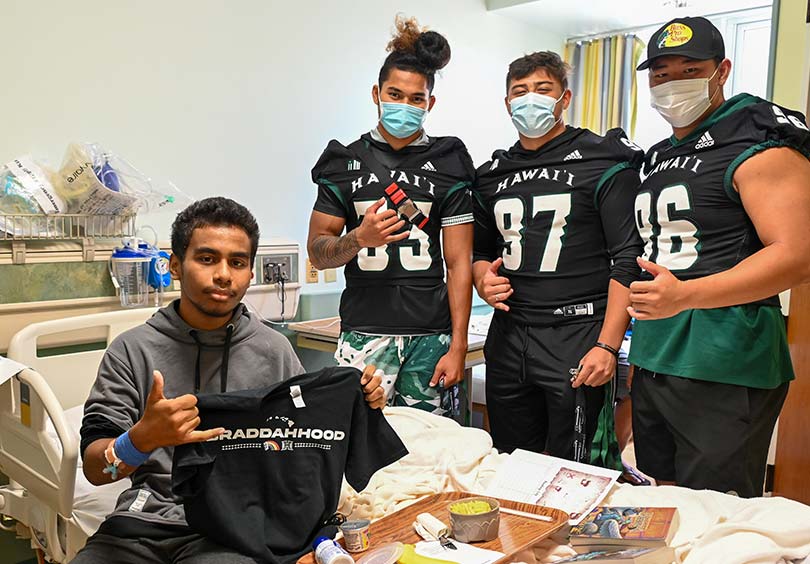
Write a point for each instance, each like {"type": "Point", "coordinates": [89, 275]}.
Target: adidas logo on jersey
{"type": "Point", "coordinates": [573, 155]}
{"type": "Point", "coordinates": [353, 165]}
{"type": "Point", "coordinates": [704, 141]}
{"type": "Point", "coordinates": [429, 166]}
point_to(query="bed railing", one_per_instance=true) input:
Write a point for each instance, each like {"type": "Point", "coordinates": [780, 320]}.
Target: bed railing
{"type": "Point", "coordinates": [43, 470]}
{"type": "Point", "coordinates": [27, 454]}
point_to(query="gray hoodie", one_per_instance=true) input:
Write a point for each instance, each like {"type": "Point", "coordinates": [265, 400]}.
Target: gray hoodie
{"type": "Point", "coordinates": [245, 354]}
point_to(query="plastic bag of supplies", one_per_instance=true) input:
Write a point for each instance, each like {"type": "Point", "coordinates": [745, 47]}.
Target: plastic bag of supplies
{"type": "Point", "coordinates": [94, 180]}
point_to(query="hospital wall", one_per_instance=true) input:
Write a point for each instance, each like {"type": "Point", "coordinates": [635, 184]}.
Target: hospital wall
{"type": "Point", "coordinates": [790, 89]}
{"type": "Point", "coordinates": [792, 55]}
{"type": "Point", "coordinates": [239, 98]}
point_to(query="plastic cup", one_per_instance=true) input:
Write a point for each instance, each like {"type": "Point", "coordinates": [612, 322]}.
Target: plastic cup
{"type": "Point", "coordinates": [355, 535]}
{"type": "Point", "coordinates": [132, 275]}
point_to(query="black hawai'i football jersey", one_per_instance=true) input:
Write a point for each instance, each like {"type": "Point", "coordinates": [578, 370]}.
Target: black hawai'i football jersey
{"type": "Point", "coordinates": [268, 485]}
{"type": "Point", "coordinates": [687, 211]}
{"type": "Point", "coordinates": [561, 218]}
{"type": "Point", "coordinates": [397, 289]}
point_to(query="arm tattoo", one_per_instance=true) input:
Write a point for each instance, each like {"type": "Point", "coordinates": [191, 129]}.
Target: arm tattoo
{"type": "Point", "coordinates": [330, 251]}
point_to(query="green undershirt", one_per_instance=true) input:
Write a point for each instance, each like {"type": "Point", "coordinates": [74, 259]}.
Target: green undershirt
{"type": "Point", "coordinates": [744, 345]}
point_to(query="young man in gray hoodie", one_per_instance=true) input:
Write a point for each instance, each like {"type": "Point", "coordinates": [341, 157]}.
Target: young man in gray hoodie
{"type": "Point", "coordinates": [143, 404]}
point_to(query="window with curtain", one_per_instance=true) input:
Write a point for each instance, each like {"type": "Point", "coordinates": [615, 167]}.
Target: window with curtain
{"type": "Point", "coordinates": [603, 82]}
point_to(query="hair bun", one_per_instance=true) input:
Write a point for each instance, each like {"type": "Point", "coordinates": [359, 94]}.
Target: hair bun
{"type": "Point", "coordinates": [432, 49]}
{"type": "Point", "coordinates": [406, 32]}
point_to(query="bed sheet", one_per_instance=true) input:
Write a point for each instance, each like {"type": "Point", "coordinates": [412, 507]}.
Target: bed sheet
{"type": "Point", "coordinates": [91, 504]}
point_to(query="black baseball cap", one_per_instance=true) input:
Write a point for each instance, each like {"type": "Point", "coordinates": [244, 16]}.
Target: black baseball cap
{"type": "Point", "coordinates": [690, 37]}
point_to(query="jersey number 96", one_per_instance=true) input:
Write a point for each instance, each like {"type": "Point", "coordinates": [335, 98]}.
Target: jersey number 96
{"type": "Point", "coordinates": [670, 242]}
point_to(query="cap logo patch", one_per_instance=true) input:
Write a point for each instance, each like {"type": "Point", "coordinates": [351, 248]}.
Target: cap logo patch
{"type": "Point", "coordinates": [674, 35]}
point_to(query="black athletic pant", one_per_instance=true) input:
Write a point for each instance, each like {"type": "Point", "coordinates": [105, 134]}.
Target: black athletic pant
{"type": "Point", "coordinates": [127, 540]}
{"type": "Point", "coordinates": [530, 401]}
{"type": "Point", "coordinates": [704, 435]}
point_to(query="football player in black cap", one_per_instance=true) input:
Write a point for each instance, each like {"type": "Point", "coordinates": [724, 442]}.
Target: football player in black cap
{"type": "Point", "coordinates": [724, 210]}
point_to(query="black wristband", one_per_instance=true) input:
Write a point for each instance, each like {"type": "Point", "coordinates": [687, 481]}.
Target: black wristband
{"type": "Point", "coordinates": [608, 348]}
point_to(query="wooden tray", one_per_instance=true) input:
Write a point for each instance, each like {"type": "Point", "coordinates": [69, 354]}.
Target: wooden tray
{"type": "Point", "coordinates": [516, 533]}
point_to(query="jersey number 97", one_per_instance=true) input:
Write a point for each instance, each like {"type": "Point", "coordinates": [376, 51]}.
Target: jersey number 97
{"type": "Point", "coordinates": [509, 214]}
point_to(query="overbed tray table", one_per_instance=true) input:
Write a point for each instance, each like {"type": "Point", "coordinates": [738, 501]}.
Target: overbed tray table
{"type": "Point", "coordinates": [516, 533]}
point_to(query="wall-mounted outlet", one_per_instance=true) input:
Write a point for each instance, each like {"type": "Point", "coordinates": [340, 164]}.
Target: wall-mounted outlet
{"type": "Point", "coordinates": [312, 273]}
{"type": "Point", "coordinates": [273, 268]}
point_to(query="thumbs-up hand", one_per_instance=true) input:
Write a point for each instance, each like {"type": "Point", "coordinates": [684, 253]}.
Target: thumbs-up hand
{"type": "Point", "coordinates": [494, 288]}
{"type": "Point", "coordinates": [661, 297]}
{"type": "Point", "coordinates": [168, 422]}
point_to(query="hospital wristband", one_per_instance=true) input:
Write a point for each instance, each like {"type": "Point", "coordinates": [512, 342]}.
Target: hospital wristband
{"type": "Point", "coordinates": [127, 453]}
{"type": "Point", "coordinates": [112, 461]}
{"type": "Point", "coordinates": [605, 346]}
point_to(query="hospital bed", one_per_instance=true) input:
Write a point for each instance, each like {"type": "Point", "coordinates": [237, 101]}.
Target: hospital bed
{"type": "Point", "coordinates": [54, 506]}
{"type": "Point", "coordinates": [40, 416]}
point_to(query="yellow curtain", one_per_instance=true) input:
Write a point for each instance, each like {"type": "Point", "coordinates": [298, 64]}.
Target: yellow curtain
{"type": "Point", "coordinates": [592, 117]}
{"type": "Point", "coordinates": [568, 55]}
{"type": "Point", "coordinates": [604, 92]}
{"type": "Point", "coordinates": [614, 113]}
{"type": "Point", "coordinates": [586, 102]}
{"type": "Point", "coordinates": [638, 49]}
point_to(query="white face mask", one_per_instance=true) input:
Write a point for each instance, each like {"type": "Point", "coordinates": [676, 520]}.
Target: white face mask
{"type": "Point", "coordinates": [533, 114]}
{"type": "Point", "coordinates": [682, 102]}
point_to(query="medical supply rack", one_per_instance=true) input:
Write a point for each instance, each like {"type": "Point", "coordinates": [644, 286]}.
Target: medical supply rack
{"type": "Point", "coordinates": [18, 229]}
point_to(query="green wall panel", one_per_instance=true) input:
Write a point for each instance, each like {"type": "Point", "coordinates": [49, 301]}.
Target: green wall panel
{"type": "Point", "coordinates": [54, 281]}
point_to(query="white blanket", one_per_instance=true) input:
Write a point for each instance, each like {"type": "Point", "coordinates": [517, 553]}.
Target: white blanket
{"type": "Point", "coordinates": [720, 528]}
{"type": "Point", "coordinates": [714, 528]}
{"type": "Point", "coordinates": [444, 456]}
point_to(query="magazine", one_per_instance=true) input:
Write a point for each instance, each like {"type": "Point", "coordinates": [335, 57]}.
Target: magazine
{"type": "Point", "coordinates": [535, 478]}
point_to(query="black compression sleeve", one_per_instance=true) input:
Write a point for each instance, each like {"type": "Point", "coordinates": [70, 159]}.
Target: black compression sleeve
{"type": "Point", "coordinates": [616, 200]}
{"type": "Point", "coordinates": [485, 246]}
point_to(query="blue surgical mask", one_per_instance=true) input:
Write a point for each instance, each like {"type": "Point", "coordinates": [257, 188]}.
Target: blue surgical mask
{"type": "Point", "coordinates": [533, 114]}
{"type": "Point", "coordinates": [401, 120]}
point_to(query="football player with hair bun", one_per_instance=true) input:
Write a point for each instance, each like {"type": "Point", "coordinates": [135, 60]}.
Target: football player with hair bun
{"type": "Point", "coordinates": [555, 250]}
{"type": "Point", "coordinates": [723, 210]}
{"type": "Point", "coordinates": [394, 208]}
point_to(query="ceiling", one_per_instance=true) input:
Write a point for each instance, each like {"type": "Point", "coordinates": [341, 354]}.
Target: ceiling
{"type": "Point", "coordinates": [586, 17]}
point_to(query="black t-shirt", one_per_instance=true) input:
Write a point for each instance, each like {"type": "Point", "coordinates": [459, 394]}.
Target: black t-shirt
{"type": "Point", "coordinates": [687, 211]}
{"type": "Point", "coordinates": [561, 218]}
{"type": "Point", "coordinates": [268, 485]}
{"type": "Point", "coordinates": [397, 289]}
